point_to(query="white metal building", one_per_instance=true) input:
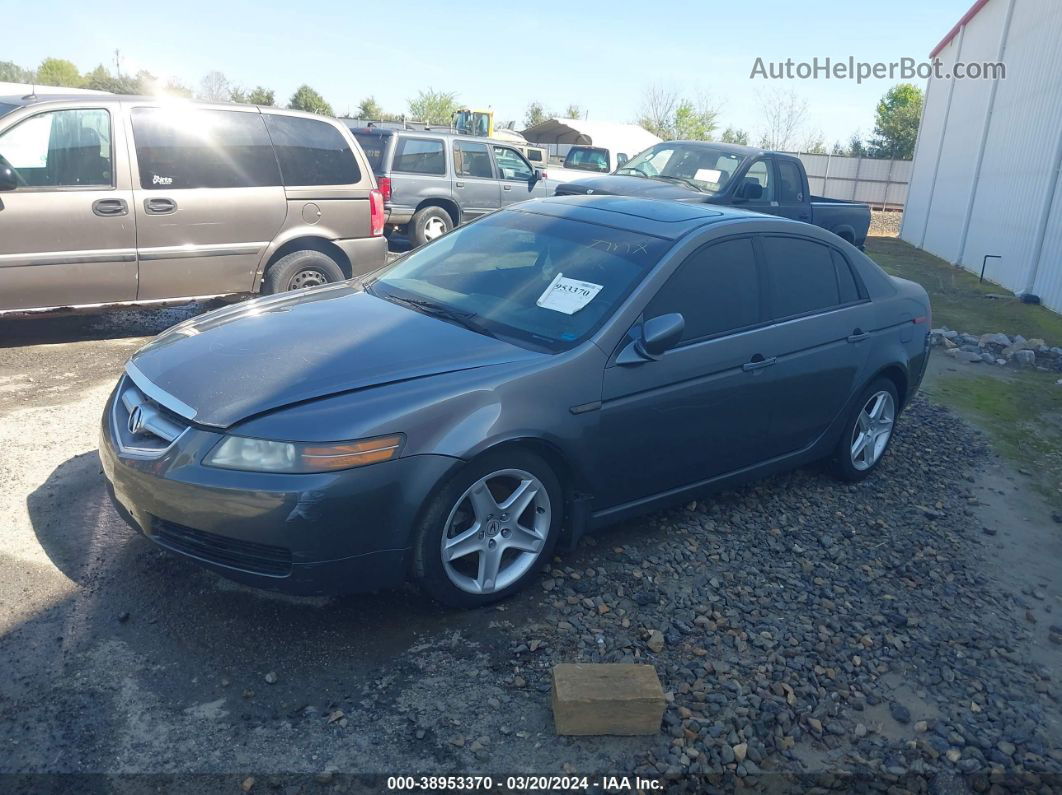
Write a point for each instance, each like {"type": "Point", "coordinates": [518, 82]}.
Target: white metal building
{"type": "Point", "coordinates": [987, 177]}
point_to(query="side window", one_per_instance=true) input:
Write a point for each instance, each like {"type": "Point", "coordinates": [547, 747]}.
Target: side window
{"type": "Point", "coordinates": [717, 290]}
{"type": "Point", "coordinates": [760, 174]}
{"type": "Point", "coordinates": [61, 149]}
{"type": "Point", "coordinates": [511, 165]}
{"type": "Point", "coordinates": [790, 183]}
{"type": "Point", "coordinates": [472, 160]}
{"type": "Point", "coordinates": [846, 283]}
{"type": "Point", "coordinates": [419, 156]}
{"type": "Point", "coordinates": [801, 275]}
{"type": "Point", "coordinates": [312, 152]}
{"type": "Point", "coordinates": [179, 148]}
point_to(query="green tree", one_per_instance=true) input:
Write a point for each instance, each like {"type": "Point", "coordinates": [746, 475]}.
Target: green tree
{"type": "Point", "coordinates": [734, 135]}
{"type": "Point", "coordinates": [695, 121]}
{"type": "Point", "coordinates": [13, 73]}
{"type": "Point", "coordinates": [261, 95]}
{"type": "Point", "coordinates": [433, 107]}
{"type": "Point", "coordinates": [370, 110]}
{"type": "Point", "coordinates": [535, 114]}
{"type": "Point", "coordinates": [573, 112]}
{"type": "Point", "coordinates": [856, 147]}
{"type": "Point", "coordinates": [896, 123]}
{"type": "Point", "coordinates": [305, 98]}
{"type": "Point", "coordinates": [58, 72]}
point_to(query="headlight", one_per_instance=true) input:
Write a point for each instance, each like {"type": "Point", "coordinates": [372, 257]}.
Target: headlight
{"type": "Point", "coordinates": [262, 455]}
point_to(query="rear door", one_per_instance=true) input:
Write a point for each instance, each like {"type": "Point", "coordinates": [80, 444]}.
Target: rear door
{"type": "Point", "coordinates": [475, 183]}
{"type": "Point", "coordinates": [418, 171]}
{"type": "Point", "coordinates": [67, 235]}
{"type": "Point", "coordinates": [792, 199]}
{"type": "Point", "coordinates": [518, 182]}
{"type": "Point", "coordinates": [208, 199]}
{"type": "Point", "coordinates": [702, 409]}
{"type": "Point", "coordinates": [822, 321]}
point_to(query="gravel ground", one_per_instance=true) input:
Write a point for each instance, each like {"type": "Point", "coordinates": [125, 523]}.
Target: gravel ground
{"type": "Point", "coordinates": [885, 222]}
{"type": "Point", "coordinates": [904, 631]}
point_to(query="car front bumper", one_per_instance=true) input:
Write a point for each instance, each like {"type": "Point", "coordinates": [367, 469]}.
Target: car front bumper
{"type": "Point", "coordinates": [339, 532]}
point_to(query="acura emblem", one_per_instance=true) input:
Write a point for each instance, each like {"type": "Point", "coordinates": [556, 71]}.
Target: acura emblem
{"type": "Point", "coordinates": [136, 420]}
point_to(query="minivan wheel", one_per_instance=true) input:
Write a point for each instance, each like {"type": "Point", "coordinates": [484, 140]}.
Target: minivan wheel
{"type": "Point", "coordinates": [429, 223]}
{"type": "Point", "coordinates": [868, 431]}
{"type": "Point", "coordinates": [487, 532]}
{"type": "Point", "coordinates": [299, 270]}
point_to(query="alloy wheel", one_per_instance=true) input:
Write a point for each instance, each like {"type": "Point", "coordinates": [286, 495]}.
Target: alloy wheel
{"type": "Point", "coordinates": [496, 531]}
{"type": "Point", "coordinates": [435, 227]}
{"type": "Point", "coordinates": [872, 430]}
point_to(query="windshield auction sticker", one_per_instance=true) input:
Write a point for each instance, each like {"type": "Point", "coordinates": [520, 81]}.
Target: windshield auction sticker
{"type": "Point", "coordinates": [568, 295]}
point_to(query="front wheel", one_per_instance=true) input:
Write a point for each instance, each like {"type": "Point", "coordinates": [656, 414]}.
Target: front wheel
{"type": "Point", "coordinates": [487, 532]}
{"type": "Point", "coordinates": [868, 432]}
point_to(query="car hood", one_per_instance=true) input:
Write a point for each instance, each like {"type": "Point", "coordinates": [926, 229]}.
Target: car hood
{"type": "Point", "coordinates": [257, 356]}
{"type": "Point", "coordinates": [631, 186]}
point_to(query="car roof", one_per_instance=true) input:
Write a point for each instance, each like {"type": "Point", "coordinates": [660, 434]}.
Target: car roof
{"type": "Point", "coordinates": [136, 99]}
{"type": "Point", "coordinates": [658, 217]}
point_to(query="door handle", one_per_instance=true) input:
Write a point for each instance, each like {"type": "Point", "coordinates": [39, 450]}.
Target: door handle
{"type": "Point", "coordinates": [160, 206]}
{"type": "Point", "coordinates": [758, 362]}
{"type": "Point", "coordinates": [459, 184]}
{"type": "Point", "coordinates": [507, 187]}
{"type": "Point", "coordinates": [109, 207]}
{"type": "Point", "coordinates": [858, 335]}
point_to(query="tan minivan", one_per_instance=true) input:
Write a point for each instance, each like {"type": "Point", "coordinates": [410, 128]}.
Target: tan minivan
{"type": "Point", "coordinates": [110, 199]}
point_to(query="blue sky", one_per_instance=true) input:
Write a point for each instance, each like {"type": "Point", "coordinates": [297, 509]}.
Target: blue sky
{"type": "Point", "coordinates": [599, 55]}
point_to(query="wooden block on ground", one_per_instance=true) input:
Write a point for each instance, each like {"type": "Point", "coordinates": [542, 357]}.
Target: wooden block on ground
{"type": "Point", "coordinates": [612, 698]}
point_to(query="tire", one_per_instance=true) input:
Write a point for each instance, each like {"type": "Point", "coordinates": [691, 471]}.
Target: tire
{"type": "Point", "coordinates": [520, 543]}
{"type": "Point", "coordinates": [857, 455]}
{"type": "Point", "coordinates": [427, 224]}
{"type": "Point", "coordinates": [299, 270]}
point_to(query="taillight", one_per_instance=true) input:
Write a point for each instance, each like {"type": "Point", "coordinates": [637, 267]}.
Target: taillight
{"type": "Point", "coordinates": [376, 213]}
{"type": "Point", "coordinates": [385, 187]}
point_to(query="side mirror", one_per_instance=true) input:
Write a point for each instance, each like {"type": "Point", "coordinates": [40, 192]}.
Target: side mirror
{"type": "Point", "coordinates": [8, 180]}
{"type": "Point", "coordinates": [539, 174]}
{"type": "Point", "coordinates": [749, 189]}
{"type": "Point", "coordinates": [621, 160]}
{"type": "Point", "coordinates": [659, 335]}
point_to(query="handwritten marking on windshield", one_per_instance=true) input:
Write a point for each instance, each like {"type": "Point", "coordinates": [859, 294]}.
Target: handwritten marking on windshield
{"type": "Point", "coordinates": [612, 247]}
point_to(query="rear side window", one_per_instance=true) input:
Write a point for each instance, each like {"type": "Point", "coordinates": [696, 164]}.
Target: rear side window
{"type": "Point", "coordinates": [717, 290]}
{"type": "Point", "coordinates": [846, 283]}
{"type": "Point", "coordinates": [790, 184]}
{"type": "Point", "coordinates": [801, 275]}
{"type": "Point", "coordinates": [374, 146]}
{"type": "Point", "coordinates": [312, 152]}
{"type": "Point", "coordinates": [472, 160]}
{"type": "Point", "coordinates": [419, 156]}
{"type": "Point", "coordinates": [189, 148]}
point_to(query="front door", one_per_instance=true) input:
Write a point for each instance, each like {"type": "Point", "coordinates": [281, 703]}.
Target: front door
{"type": "Point", "coordinates": [518, 181]}
{"type": "Point", "coordinates": [208, 199]}
{"type": "Point", "coordinates": [759, 188]}
{"type": "Point", "coordinates": [792, 203]}
{"type": "Point", "coordinates": [66, 233]}
{"type": "Point", "coordinates": [475, 185]}
{"type": "Point", "coordinates": [702, 409]}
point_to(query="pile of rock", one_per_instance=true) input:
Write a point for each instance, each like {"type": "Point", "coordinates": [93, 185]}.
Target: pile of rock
{"type": "Point", "coordinates": [998, 349]}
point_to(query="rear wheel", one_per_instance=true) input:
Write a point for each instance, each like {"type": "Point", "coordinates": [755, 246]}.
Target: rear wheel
{"type": "Point", "coordinates": [487, 532]}
{"type": "Point", "coordinates": [868, 432]}
{"type": "Point", "coordinates": [429, 223]}
{"type": "Point", "coordinates": [300, 270]}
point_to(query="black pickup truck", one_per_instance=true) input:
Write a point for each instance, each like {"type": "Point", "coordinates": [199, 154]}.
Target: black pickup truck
{"type": "Point", "coordinates": [742, 176]}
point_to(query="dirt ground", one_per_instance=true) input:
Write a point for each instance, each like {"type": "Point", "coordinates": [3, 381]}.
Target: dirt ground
{"type": "Point", "coordinates": [118, 657]}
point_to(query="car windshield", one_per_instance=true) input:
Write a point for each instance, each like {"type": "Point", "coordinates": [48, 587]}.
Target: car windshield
{"type": "Point", "coordinates": [542, 282]}
{"type": "Point", "coordinates": [374, 145]}
{"type": "Point", "coordinates": [700, 167]}
{"type": "Point", "coordinates": [587, 159]}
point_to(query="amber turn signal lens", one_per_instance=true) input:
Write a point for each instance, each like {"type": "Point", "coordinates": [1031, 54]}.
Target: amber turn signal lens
{"type": "Point", "coordinates": [344, 455]}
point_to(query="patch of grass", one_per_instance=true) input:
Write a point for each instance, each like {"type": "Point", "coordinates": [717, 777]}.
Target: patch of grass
{"type": "Point", "coordinates": [1022, 413]}
{"type": "Point", "coordinates": [958, 300]}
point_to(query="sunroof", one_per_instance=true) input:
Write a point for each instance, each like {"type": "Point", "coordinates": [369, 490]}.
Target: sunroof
{"type": "Point", "coordinates": [663, 211]}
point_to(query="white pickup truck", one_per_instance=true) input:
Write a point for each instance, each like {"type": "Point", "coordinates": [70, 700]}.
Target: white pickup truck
{"type": "Point", "coordinates": [585, 161]}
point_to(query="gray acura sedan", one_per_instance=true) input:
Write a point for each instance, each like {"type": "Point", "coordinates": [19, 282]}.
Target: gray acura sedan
{"type": "Point", "coordinates": [549, 369]}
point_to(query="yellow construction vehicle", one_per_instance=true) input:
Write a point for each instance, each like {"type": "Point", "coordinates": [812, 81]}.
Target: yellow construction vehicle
{"type": "Point", "coordinates": [474, 122]}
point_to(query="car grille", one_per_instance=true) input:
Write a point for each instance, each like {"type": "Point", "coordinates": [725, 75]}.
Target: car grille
{"type": "Point", "coordinates": [223, 551]}
{"type": "Point", "coordinates": [142, 426]}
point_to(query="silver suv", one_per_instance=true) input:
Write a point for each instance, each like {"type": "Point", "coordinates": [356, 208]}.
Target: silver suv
{"type": "Point", "coordinates": [110, 199]}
